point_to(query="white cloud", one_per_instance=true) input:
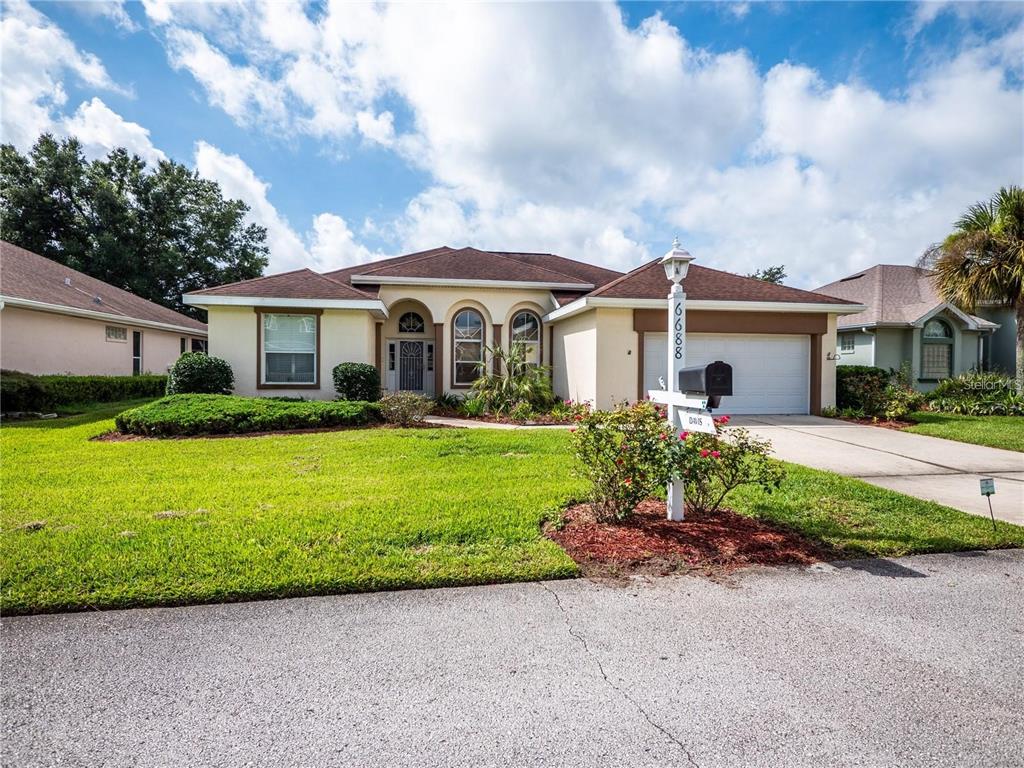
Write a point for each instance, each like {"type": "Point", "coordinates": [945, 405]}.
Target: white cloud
{"type": "Point", "coordinates": [377, 128]}
{"type": "Point", "coordinates": [107, 10]}
{"type": "Point", "coordinates": [100, 129]}
{"type": "Point", "coordinates": [37, 55]}
{"type": "Point", "coordinates": [238, 90]}
{"type": "Point", "coordinates": [331, 243]}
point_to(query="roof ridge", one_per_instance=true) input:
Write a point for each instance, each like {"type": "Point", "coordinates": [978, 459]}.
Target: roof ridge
{"type": "Point", "coordinates": [347, 286]}
{"type": "Point", "coordinates": [354, 269]}
{"type": "Point", "coordinates": [255, 279]}
{"type": "Point", "coordinates": [621, 278]}
{"type": "Point", "coordinates": [411, 258]}
{"type": "Point", "coordinates": [503, 255]}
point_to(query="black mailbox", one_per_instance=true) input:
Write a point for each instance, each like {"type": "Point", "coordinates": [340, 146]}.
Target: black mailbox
{"type": "Point", "coordinates": [713, 380]}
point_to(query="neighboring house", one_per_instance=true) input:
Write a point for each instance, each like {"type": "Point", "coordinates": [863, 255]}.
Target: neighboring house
{"type": "Point", "coordinates": [425, 321]}
{"type": "Point", "coordinates": [54, 319]}
{"type": "Point", "coordinates": [906, 322]}
{"type": "Point", "coordinates": [1000, 346]}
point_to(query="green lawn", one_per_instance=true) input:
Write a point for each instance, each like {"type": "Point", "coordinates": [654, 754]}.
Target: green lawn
{"type": "Point", "coordinates": [89, 524]}
{"type": "Point", "coordinates": [183, 521]}
{"type": "Point", "coordinates": [995, 431]}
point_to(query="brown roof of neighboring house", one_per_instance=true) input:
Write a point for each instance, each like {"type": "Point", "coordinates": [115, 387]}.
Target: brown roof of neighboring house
{"type": "Point", "coordinates": [896, 294]}
{"type": "Point", "coordinates": [297, 284]}
{"type": "Point", "coordinates": [704, 283]}
{"type": "Point", "coordinates": [28, 276]}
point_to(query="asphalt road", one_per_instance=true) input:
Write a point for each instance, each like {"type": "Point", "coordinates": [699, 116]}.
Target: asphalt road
{"type": "Point", "coordinates": [881, 663]}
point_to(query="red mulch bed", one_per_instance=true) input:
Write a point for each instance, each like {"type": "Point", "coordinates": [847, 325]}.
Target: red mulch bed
{"type": "Point", "coordinates": [886, 423]}
{"type": "Point", "coordinates": [648, 543]}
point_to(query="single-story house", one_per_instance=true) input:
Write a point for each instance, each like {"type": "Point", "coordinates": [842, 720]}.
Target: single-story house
{"type": "Point", "coordinates": [54, 319]}
{"type": "Point", "coordinates": [905, 321]}
{"type": "Point", "coordinates": [426, 319]}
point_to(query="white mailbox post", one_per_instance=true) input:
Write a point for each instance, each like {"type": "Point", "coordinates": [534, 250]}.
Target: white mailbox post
{"type": "Point", "coordinates": [676, 262]}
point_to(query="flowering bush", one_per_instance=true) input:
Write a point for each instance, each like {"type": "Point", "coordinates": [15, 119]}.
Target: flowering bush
{"type": "Point", "coordinates": [712, 465]}
{"type": "Point", "coordinates": [570, 410]}
{"type": "Point", "coordinates": [624, 453]}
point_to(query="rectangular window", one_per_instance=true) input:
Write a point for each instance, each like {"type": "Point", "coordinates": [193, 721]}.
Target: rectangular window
{"type": "Point", "coordinates": [430, 356]}
{"type": "Point", "coordinates": [136, 353]}
{"type": "Point", "coordinates": [935, 361]}
{"type": "Point", "coordinates": [117, 333]}
{"type": "Point", "coordinates": [184, 343]}
{"type": "Point", "coordinates": [846, 342]}
{"type": "Point", "coordinates": [289, 349]}
{"type": "Point", "coordinates": [199, 345]}
{"type": "Point", "coordinates": [391, 355]}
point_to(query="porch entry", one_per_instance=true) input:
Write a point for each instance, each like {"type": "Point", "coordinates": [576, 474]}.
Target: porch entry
{"type": "Point", "coordinates": [410, 366]}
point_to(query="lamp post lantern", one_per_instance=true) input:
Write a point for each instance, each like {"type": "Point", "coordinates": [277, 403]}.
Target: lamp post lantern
{"type": "Point", "coordinates": [676, 263]}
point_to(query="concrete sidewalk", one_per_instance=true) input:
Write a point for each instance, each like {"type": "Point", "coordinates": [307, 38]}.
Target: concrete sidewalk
{"type": "Point", "coordinates": [909, 662]}
{"type": "Point", "coordinates": [917, 465]}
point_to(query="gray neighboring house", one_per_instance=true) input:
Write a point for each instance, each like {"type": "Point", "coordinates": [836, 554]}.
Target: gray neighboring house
{"type": "Point", "coordinates": [907, 321]}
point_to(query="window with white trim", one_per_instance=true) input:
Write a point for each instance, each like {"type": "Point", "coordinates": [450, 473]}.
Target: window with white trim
{"type": "Point", "coordinates": [936, 350]}
{"type": "Point", "coordinates": [411, 322]}
{"type": "Point", "coordinates": [468, 346]}
{"type": "Point", "coordinates": [526, 331]}
{"type": "Point", "coordinates": [846, 342]}
{"type": "Point", "coordinates": [289, 349]}
{"type": "Point", "coordinates": [117, 333]}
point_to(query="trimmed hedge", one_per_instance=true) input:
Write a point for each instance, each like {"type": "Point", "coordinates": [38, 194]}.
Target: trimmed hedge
{"type": "Point", "coordinates": [356, 381]}
{"type": "Point", "coordinates": [861, 387]}
{"type": "Point", "coordinates": [229, 414]}
{"type": "Point", "coordinates": [196, 373]}
{"type": "Point", "coordinates": [26, 392]}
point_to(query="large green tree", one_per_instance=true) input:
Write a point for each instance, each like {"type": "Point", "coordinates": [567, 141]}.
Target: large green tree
{"type": "Point", "coordinates": [774, 274]}
{"type": "Point", "coordinates": [157, 232]}
{"type": "Point", "coordinates": [982, 260]}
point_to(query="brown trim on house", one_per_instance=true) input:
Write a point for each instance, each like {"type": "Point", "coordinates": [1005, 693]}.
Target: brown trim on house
{"type": "Point", "coordinates": [438, 358]}
{"type": "Point", "coordinates": [260, 311]}
{"type": "Point", "coordinates": [710, 321]}
{"type": "Point", "coordinates": [378, 344]}
{"type": "Point", "coordinates": [706, 321]}
{"type": "Point", "coordinates": [816, 374]}
{"type": "Point", "coordinates": [497, 343]}
{"type": "Point", "coordinates": [640, 363]}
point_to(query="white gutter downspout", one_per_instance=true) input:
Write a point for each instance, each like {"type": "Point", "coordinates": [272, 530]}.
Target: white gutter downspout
{"type": "Point", "coordinates": [874, 341]}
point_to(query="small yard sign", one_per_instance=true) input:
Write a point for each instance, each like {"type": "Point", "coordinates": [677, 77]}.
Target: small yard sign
{"type": "Point", "coordinates": [697, 422]}
{"type": "Point", "coordinates": [988, 486]}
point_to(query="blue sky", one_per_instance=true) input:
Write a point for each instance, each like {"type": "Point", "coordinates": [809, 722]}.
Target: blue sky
{"type": "Point", "coordinates": [824, 136]}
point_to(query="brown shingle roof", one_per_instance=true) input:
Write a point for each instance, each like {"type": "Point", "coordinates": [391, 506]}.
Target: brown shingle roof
{"type": "Point", "coordinates": [590, 273]}
{"type": "Point", "coordinates": [894, 294]}
{"type": "Point", "coordinates": [297, 284]}
{"type": "Point", "coordinates": [703, 283]}
{"type": "Point", "coordinates": [468, 264]}
{"type": "Point", "coordinates": [29, 276]}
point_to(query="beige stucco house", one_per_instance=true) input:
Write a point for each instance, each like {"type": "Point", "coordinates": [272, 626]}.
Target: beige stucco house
{"type": "Point", "coordinates": [54, 319]}
{"type": "Point", "coordinates": [906, 322]}
{"type": "Point", "coordinates": [427, 319]}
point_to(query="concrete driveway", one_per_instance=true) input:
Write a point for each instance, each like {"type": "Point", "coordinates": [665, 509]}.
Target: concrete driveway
{"type": "Point", "coordinates": [917, 465]}
{"type": "Point", "coordinates": [910, 662]}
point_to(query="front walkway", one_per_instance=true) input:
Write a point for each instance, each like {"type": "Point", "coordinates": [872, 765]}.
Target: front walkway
{"type": "Point", "coordinates": [917, 465]}
{"type": "Point", "coordinates": [910, 662]}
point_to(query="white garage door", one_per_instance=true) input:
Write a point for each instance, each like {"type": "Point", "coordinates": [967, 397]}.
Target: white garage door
{"type": "Point", "coordinates": [770, 373]}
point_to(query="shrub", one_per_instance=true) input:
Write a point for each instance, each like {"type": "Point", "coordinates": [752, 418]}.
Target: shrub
{"type": "Point", "coordinates": [978, 394]}
{"type": "Point", "coordinates": [712, 465]}
{"type": "Point", "coordinates": [861, 387]}
{"type": "Point", "coordinates": [357, 381]}
{"type": "Point", "coordinates": [26, 392]}
{"type": "Point", "coordinates": [405, 408]}
{"type": "Point", "coordinates": [473, 407]}
{"type": "Point", "coordinates": [569, 410]}
{"type": "Point", "coordinates": [198, 414]}
{"type": "Point", "coordinates": [900, 402]}
{"type": "Point", "coordinates": [521, 412]}
{"type": "Point", "coordinates": [196, 373]}
{"type": "Point", "coordinates": [624, 454]}
{"type": "Point", "coordinates": [518, 381]}
{"type": "Point", "coordinates": [447, 403]}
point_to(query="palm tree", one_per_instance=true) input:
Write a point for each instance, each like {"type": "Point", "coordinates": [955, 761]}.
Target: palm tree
{"type": "Point", "coordinates": [983, 260]}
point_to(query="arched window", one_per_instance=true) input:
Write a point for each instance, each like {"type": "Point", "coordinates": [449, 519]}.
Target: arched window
{"type": "Point", "coordinates": [410, 322]}
{"type": "Point", "coordinates": [936, 350]}
{"type": "Point", "coordinates": [467, 347]}
{"type": "Point", "coordinates": [526, 331]}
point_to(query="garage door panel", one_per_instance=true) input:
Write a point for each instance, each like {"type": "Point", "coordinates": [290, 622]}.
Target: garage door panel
{"type": "Point", "coordinates": [771, 373]}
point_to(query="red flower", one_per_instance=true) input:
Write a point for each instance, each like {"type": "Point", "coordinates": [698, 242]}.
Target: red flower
{"type": "Point", "coordinates": [704, 453]}
{"type": "Point", "coordinates": [683, 435]}
{"type": "Point", "coordinates": [628, 481]}
{"type": "Point", "coordinates": [572, 429]}
{"type": "Point", "coordinates": [724, 420]}
{"type": "Point", "coordinates": [578, 417]}
{"type": "Point", "coordinates": [620, 462]}
{"type": "Point", "coordinates": [716, 454]}
{"type": "Point", "coordinates": [568, 402]}
{"type": "Point", "coordinates": [662, 436]}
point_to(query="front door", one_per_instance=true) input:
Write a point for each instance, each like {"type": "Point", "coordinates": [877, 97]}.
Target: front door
{"type": "Point", "coordinates": [410, 366]}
